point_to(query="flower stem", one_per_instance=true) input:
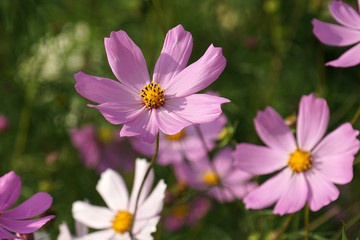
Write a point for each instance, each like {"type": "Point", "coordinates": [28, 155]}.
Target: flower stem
{"type": "Point", "coordinates": [145, 177]}
{"type": "Point", "coordinates": [356, 116]}
{"type": "Point", "coordinates": [307, 225]}
{"type": "Point", "coordinates": [284, 226]}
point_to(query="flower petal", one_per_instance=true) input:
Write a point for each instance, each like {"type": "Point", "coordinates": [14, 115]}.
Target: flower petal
{"type": "Point", "coordinates": [10, 187]}
{"type": "Point", "coordinates": [268, 192]}
{"type": "Point", "coordinates": [24, 226]}
{"type": "Point", "coordinates": [92, 216]}
{"type": "Point", "coordinates": [101, 90]}
{"type": "Point", "coordinates": [6, 235]}
{"type": "Point", "coordinates": [312, 121]}
{"type": "Point", "coordinates": [223, 161]}
{"type": "Point", "coordinates": [32, 207]}
{"type": "Point", "coordinates": [335, 35]}
{"type": "Point", "coordinates": [142, 229]}
{"type": "Point", "coordinates": [145, 126]}
{"type": "Point", "coordinates": [321, 191]}
{"type": "Point", "coordinates": [294, 196]}
{"type": "Point", "coordinates": [345, 14]}
{"type": "Point", "coordinates": [198, 75]}
{"type": "Point", "coordinates": [259, 159]}
{"type": "Point", "coordinates": [141, 166]}
{"type": "Point", "coordinates": [273, 131]}
{"type": "Point", "coordinates": [112, 189]}
{"type": "Point", "coordinates": [64, 232]}
{"type": "Point", "coordinates": [348, 59]}
{"type": "Point", "coordinates": [118, 113]}
{"type": "Point", "coordinates": [197, 108]}
{"type": "Point", "coordinates": [126, 61]}
{"type": "Point", "coordinates": [103, 234]}
{"type": "Point", "coordinates": [174, 55]}
{"type": "Point", "coordinates": [170, 122]}
{"type": "Point", "coordinates": [153, 204]}
{"type": "Point", "coordinates": [341, 141]}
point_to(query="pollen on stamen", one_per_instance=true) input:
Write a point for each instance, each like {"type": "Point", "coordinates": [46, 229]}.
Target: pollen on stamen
{"type": "Point", "coordinates": [152, 95]}
{"type": "Point", "coordinates": [122, 222]}
{"type": "Point", "coordinates": [300, 160]}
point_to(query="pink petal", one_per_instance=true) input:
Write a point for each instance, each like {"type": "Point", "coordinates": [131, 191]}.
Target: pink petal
{"type": "Point", "coordinates": [126, 61]}
{"type": "Point", "coordinates": [212, 130]}
{"type": "Point", "coordinates": [273, 131]}
{"type": "Point", "coordinates": [341, 141]}
{"type": "Point", "coordinates": [170, 122]}
{"type": "Point", "coordinates": [24, 226]}
{"type": "Point", "coordinates": [312, 122]}
{"type": "Point", "coordinates": [321, 191]}
{"type": "Point", "coordinates": [336, 169]}
{"type": "Point", "coordinates": [117, 113]}
{"type": "Point", "coordinates": [335, 35]}
{"type": "Point", "coordinates": [223, 161]}
{"type": "Point", "coordinates": [171, 152]}
{"type": "Point", "coordinates": [146, 149]}
{"type": "Point", "coordinates": [348, 59]}
{"type": "Point", "coordinates": [6, 235]}
{"type": "Point", "coordinates": [10, 187]}
{"type": "Point", "coordinates": [294, 196]}
{"type": "Point", "coordinates": [259, 159]}
{"type": "Point", "coordinates": [101, 90]}
{"type": "Point", "coordinates": [174, 55]}
{"type": "Point", "coordinates": [32, 207]}
{"type": "Point", "coordinates": [141, 166]}
{"type": "Point", "coordinates": [222, 194]}
{"type": "Point", "coordinates": [113, 190]}
{"type": "Point", "coordinates": [269, 192]}
{"type": "Point", "coordinates": [198, 75]}
{"type": "Point", "coordinates": [197, 108]}
{"type": "Point", "coordinates": [145, 126]}
{"type": "Point", "coordinates": [345, 14]}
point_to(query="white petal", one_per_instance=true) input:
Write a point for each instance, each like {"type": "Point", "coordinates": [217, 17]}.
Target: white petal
{"type": "Point", "coordinates": [92, 216]}
{"type": "Point", "coordinates": [106, 234]}
{"type": "Point", "coordinates": [112, 189]}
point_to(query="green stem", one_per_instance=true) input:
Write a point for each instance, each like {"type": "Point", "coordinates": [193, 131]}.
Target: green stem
{"type": "Point", "coordinates": [347, 226]}
{"type": "Point", "coordinates": [145, 177]}
{"type": "Point", "coordinates": [356, 116]}
{"type": "Point", "coordinates": [307, 225]}
{"type": "Point", "coordinates": [284, 226]}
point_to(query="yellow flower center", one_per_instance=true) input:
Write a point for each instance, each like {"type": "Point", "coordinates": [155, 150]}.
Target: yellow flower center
{"type": "Point", "coordinates": [210, 178]}
{"type": "Point", "coordinates": [152, 95]}
{"type": "Point", "coordinates": [176, 136]}
{"type": "Point", "coordinates": [122, 222]}
{"type": "Point", "coordinates": [300, 161]}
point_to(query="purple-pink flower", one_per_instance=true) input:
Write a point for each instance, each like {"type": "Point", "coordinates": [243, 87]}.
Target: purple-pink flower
{"type": "Point", "coordinates": [346, 34]}
{"type": "Point", "coordinates": [219, 178]}
{"type": "Point", "coordinates": [187, 144]}
{"type": "Point", "coordinates": [309, 166]}
{"type": "Point", "coordinates": [14, 219]}
{"type": "Point", "coordinates": [167, 102]}
{"type": "Point", "coordinates": [102, 149]}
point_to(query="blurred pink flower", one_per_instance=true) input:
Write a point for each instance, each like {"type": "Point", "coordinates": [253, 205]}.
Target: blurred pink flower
{"type": "Point", "coordinates": [141, 104]}
{"type": "Point", "coordinates": [346, 34]}
{"type": "Point", "coordinates": [309, 166]}
{"type": "Point", "coordinates": [185, 144]}
{"type": "Point", "coordinates": [116, 221]}
{"type": "Point", "coordinates": [13, 219]}
{"type": "Point", "coordinates": [186, 214]}
{"type": "Point", "coordinates": [102, 152]}
{"type": "Point", "coordinates": [4, 123]}
{"type": "Point", "coordinates": [220, 178]}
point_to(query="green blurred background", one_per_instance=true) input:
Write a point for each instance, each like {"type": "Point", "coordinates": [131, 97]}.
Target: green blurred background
{"type": "Point", "coordinates": [272, 59]}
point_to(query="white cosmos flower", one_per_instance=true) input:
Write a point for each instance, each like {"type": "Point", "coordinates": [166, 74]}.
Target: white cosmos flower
{"type": "Point", "coordinates": [114, 221]}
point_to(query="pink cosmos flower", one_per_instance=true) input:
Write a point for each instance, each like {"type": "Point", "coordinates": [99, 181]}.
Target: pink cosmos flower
{"type": "Point", "coordinates": [117, 220]}
{"type": "Point", "coordinates": [309, 166]}
{"type": "Point", "coordinates": [185, 144]}
{"type": "Point", "coordinates": [346, 34]}
{"type": "Point", "coordinates": [4, 123]}
{"type": "Point", "coordinates": [167, 102]}
{"type": "Point", "coordinates": [189, 213]}
{"type": "Point", "coordinates": [102, 149]}
{"type": "Point", "coordinates": [13, 219]}
{"type": "Point", "coordinates": [223, 181]}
